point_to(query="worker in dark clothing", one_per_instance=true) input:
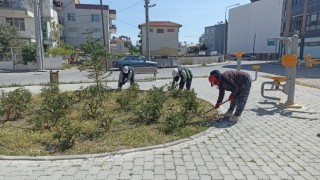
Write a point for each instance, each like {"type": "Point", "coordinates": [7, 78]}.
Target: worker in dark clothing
{"type": "Point", "coordinates": [126, 73]}
{"type": "Point", "coordinates": [185, 76]}
{"type": "Point", "coordinates": [239, 83]}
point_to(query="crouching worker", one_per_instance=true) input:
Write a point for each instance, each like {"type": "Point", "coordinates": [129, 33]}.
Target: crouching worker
{"type": "Point", "coordinates": [126, 73]}
{"type": "Point", "coordinates": [185, 76]}
{"type": "Point", "coordinates": [239, 83]}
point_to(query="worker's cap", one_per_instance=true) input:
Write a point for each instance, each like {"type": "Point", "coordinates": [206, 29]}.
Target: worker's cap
{"type": "Point", "coordinates": [175, 72]}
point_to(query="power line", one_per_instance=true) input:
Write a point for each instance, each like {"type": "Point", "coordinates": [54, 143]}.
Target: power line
{"type": "Point", "coordinates": [129, 7]}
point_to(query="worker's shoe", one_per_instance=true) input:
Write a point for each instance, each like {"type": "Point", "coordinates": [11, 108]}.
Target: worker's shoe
{"type": "Point", "coordinates": [234, 119]}
{"type": "Point", "coordinates": [227, 114]}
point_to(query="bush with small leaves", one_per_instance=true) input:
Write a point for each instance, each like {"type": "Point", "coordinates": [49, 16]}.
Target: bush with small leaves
{"type": "Point", "coordinates": [150, 108]}
{"type": "Point", "coordinates": [92, 102]}
{"type": "Point", "coordinates": [54, 107]}
{"type": "Point", "coordinates": [128, 97]}
{"type": "Point", "coordinates": [174, 121]}
{"type": "Point", "coordinates": [189, 101]}
{"type": "Point", "coordinates": [14, 103]}
{"type": "Point", "coordinates": [66, 134]}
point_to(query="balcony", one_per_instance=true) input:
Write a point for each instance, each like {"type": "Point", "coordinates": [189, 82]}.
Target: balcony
{"type": "Point", "coordinates": [112, 29]}
{"type": "Point", "coordinates": [112, 14]}
{"type": "Point", "coordinates": [17, 8]}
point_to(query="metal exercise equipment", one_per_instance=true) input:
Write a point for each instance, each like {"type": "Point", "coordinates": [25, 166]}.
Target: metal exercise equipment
{"type": "Point", "coordinates": [290, 62]}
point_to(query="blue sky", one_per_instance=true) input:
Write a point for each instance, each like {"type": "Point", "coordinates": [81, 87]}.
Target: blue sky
{"type": "Point", "coordinates": [193, 15]}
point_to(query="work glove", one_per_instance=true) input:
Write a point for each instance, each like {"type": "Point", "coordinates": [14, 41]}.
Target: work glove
{"type": "Point", "coordinates": [217, 106]}
{"type": "Point", "coordinates": [231, 98]}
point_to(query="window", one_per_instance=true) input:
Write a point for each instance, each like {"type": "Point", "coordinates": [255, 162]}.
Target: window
{"type": "Point", "coordinates": [95, 17]}
{"type": "Point", "coordinates": [312, 21]}
{"type": "Point", "coordinates": [160, 30]}
{"type": "Point", "coordinates": [71, 17]}
{"type": "Point", "coordinates": [17, 22]}
{"type": "Point", "coordinates": [170, 30]}
{"type": "Point", "coordinates": [296, 23]}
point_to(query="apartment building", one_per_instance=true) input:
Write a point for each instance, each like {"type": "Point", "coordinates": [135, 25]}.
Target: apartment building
{"type": "Point", "coordinates": [20, 13]}
{"type": "Point", "coordinates": [163, 38]}
{"type": "Point", "coordinates": [78, 19]}
{"type": "Point", "coordinates": [302, 17]}
{"type": "Point", "coordinates": [251, 25]}
{"type": "Point", "coordinates": [214, 38]}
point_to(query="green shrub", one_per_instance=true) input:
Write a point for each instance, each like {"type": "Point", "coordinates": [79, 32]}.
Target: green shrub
{"type": "Point", "coordinates": [54, 107]}
{"type": "Point", "coordinates": [128, 97]}
{"type": "Point", "coordinates": [14, 103]}
{"type": "Point", "coordinates": [189, 101]}
{"type": "Point", "coordinates": [92, 98]}
{"type": "Point", "coordinates": [29, 53]}
{"type": "Point", "coordinates": [66, 134]}
{"type": "Point", "coordinates": [150, 108]}
{"type": "Point", "coordinates": [175, 121]}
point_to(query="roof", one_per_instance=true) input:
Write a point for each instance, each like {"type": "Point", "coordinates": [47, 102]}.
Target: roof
{"type": "Point", "coordinates": [161, 23]}
{"type": "Point", "coordinates": [90, 6]}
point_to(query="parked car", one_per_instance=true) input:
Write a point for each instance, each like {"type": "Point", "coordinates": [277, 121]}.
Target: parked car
{"type": "Point", "coordinates": [246, 57]}
{"type": "Point", "coordinates": [134, 61]}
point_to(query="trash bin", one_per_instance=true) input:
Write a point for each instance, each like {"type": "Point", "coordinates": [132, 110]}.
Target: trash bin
{"type": "Point", "coordinates": [54, 77]}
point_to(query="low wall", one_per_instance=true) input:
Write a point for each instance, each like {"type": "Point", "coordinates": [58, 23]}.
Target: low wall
{"type": "Point", "coordinates": [48, 64]}
{"type": "Point", "coordinates": [197, 60]}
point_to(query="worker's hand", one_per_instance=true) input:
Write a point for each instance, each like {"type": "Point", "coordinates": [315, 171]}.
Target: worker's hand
{"type": "Point", "coordinates": [231, 98]}
{"type": "Point", "coordinates": [217, 106]}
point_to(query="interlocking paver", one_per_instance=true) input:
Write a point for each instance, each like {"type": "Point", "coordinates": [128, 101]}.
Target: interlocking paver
{"type": "Point", "coordinates": [268, 143]}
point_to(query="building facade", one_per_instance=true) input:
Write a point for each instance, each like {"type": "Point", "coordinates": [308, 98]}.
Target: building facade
{"type": "Point", "coordinates": [80, 19]}
{"type": "Point", "coordinates": [21, 15]}
{"type": "Point", "coordinates": [163, 38]}
{"type": "Point", "coordinates": [250, 26]}
{"type": "Point", "coordinates": [214, 38]}
{"type": "Point", "coordinates": [302, 17]}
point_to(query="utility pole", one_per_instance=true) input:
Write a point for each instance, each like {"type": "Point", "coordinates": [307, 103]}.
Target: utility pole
{"type": "Point", "coordinates": [106, 46]}
{"type": "Point", "coordinates": [38, 31]}
{"type": "Point", "coordinates": [147, 29]}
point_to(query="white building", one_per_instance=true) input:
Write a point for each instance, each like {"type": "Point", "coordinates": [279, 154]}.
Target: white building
{"type": "Point", "coordinates": [163, 38]}
{"type": "Point", "coordinates": [21, 15]}
{"type": "Point", "coordinates": [251, 24]}
{"type": "Point", "coordinates": [78, 18]}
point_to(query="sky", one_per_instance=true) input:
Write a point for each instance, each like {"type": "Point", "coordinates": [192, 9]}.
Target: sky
{"type": "Point", "coordinates": [193, 15]}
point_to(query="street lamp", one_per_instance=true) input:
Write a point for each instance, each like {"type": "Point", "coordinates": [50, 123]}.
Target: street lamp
{"type": "Point", "coordinates": [148, 27]}
{"type": "Point", "coordinates": [225, 28]}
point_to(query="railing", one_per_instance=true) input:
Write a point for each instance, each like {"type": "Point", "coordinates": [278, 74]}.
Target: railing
{"type": "Point", "coordinates": [17, 4]}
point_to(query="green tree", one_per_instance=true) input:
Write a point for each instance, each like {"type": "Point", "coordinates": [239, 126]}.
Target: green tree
{"type": "Point", "coordinates": [29, 52]}
{"type": "Point", "coordinates": [202, 45]}
{"type": "Point", "coordinates": [8, 37]}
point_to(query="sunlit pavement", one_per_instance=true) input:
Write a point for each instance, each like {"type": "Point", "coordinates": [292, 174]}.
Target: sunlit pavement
{"type": "Point", "coordinates": [268, 143]}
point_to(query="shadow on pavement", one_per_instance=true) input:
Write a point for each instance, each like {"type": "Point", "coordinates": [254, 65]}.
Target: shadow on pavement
{"type": "Point", "coordinates": [276, 68]}
{"type": "Point", "coordinates": [276, 109]}
{"type": "Point", "coordinates": [223, 123]}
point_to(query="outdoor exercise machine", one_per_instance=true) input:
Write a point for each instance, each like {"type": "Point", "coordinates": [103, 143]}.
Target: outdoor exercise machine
{"type": "Point", "coordinates": [256, 68]}
{"type": "Point", "coordinates": [309, 62]}
{"type": "Point", "coordinates": [239, 55]}
{"type": "Point", "coordinates": [286, 84]}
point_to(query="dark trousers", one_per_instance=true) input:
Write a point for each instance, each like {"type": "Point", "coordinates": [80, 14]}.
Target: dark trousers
{"type": "Point", "coordinates": [187, 82]}
{"type": "Point", "coordinates": [240, 101]}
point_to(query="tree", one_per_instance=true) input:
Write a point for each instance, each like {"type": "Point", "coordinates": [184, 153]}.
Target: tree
{"type": "Point", "coordinates": [29, 52]}
{"type": "Point", "coordinates": [202, 45]}
{"type": "Point", "coordinates": [8, 37]}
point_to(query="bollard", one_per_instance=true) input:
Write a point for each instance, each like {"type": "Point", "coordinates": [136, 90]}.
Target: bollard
{"type": "Point", "coordinates": [54, 77]}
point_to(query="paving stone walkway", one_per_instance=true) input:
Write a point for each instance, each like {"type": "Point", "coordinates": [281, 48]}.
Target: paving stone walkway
{"type": "Point", "coordinates": [268, 143]}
